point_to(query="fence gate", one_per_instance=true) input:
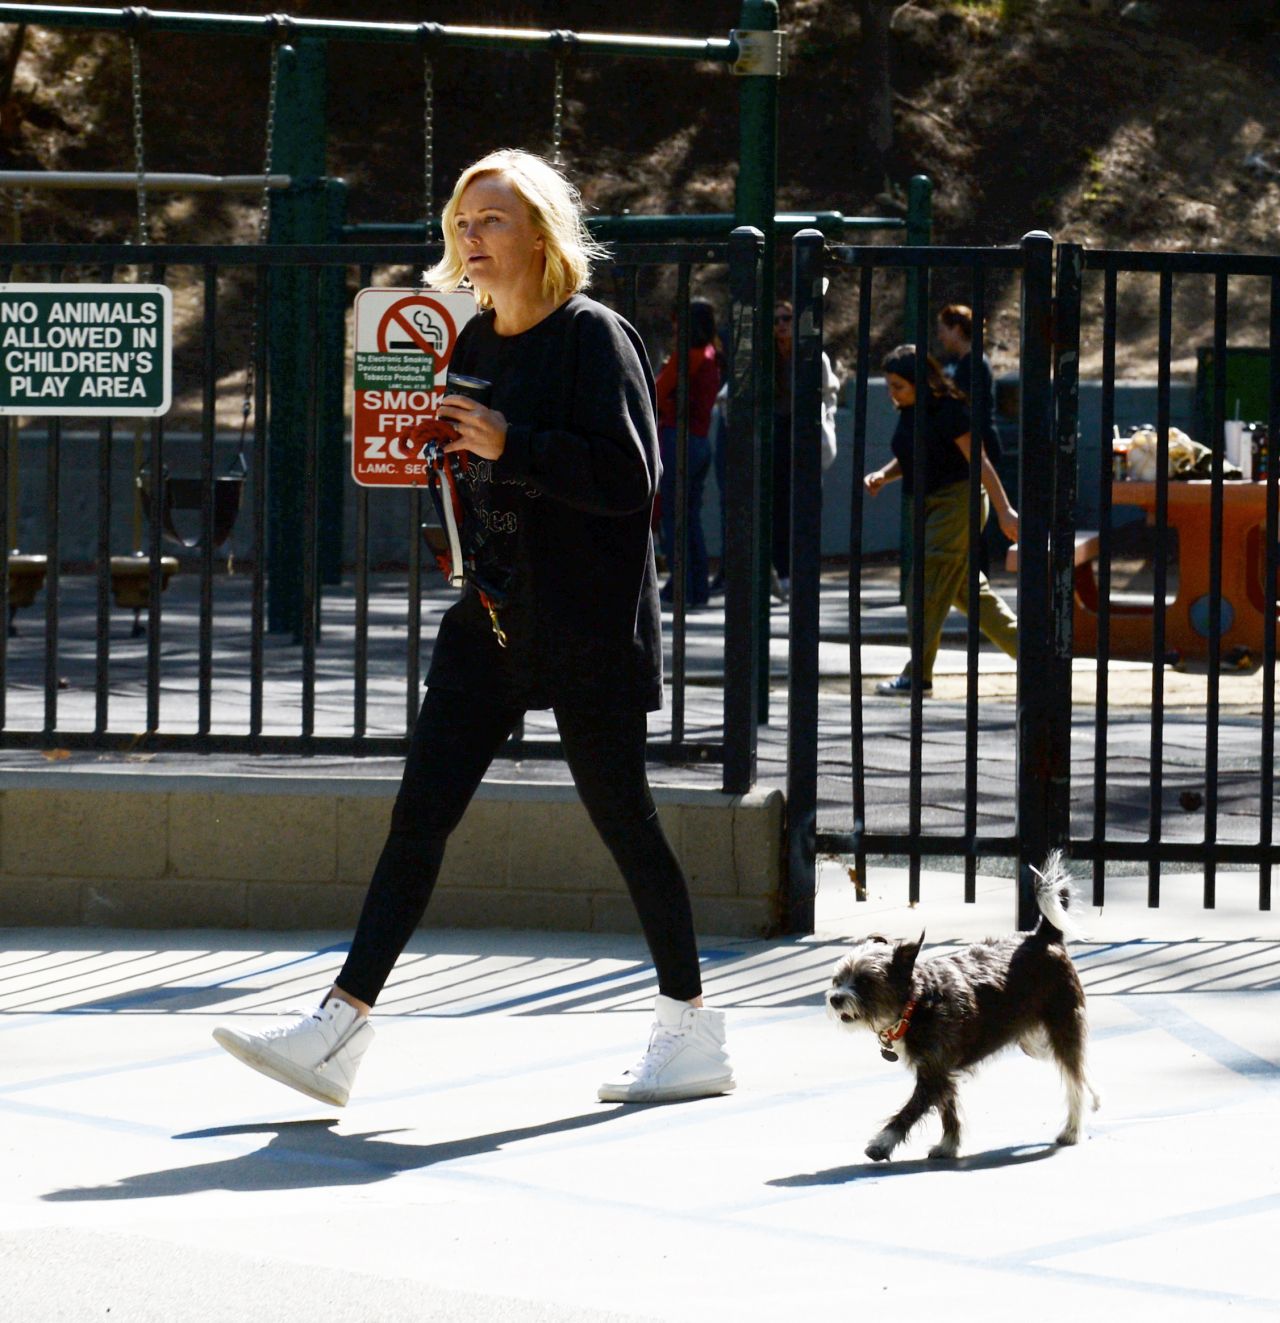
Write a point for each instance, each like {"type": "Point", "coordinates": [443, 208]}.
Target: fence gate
{"type": "Point", "coordinates": [953, 777]}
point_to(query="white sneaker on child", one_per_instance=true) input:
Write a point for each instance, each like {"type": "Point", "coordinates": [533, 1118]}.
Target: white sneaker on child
{"type": "Point", "coordinates": [685, 1058]}
{"type": "Point", "coordinates": [316, 1053]}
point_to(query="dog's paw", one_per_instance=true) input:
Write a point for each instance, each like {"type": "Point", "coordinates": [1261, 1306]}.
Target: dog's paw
{"type": "Point", "coordinates": [946, 1149]}
{"type": "Point", "coordinates": [1071, 1135]}
{"type": "Point", "coordinates": [883, 1145]}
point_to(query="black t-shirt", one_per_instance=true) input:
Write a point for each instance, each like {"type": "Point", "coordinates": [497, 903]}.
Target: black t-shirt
{"type": "Point", "coordinates": [962, 375]}
{"type": "Point", "coordinates": [945, 419]}
{"type": "Point", "coordinates": [565, 518]}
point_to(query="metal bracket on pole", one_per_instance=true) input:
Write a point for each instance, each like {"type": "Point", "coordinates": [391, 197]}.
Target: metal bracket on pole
{"type": "Point", "coordinates": [760, 54]}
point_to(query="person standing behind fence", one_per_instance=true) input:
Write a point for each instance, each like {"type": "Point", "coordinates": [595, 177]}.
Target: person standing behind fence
{"type": "Point", "coordinates": [563, 470]}
{"type": "Point", "coordinates": [783, 319]}
{"type": "Point", "coordinates": [945, 481]}
{"type": "Point", "coordinates": [706, 372]}
{"type": "Point", "coordinates": [955, 335]}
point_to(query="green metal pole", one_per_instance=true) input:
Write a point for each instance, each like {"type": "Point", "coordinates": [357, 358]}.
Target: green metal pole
{"type": "Point", "coordinates": [297, 216]}
{"type": "Point", "coordinates": [919, 235]}
{"type": "Point", "coordinates": [650, 229]}
{"type": "Point", "coordinates": [514, 40]}
{"type": "Point", "coordinates": [755, 204]}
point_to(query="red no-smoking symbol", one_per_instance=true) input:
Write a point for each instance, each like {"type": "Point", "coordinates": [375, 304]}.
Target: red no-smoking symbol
{"type": "Point", "coordinates": [417, 324]}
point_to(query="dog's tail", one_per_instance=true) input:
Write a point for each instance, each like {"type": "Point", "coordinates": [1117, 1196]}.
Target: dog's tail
{"type": "Point", "coordinates": [1056, 896]}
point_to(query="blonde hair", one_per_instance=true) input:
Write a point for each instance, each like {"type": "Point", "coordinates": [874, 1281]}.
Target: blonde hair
{"type": "Point", "coordinates": [555, 207]}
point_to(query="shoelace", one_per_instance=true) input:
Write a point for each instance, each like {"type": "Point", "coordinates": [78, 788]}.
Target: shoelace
{"type": "Point", "coordinates": [662, 1043]}
{"type": "Point", "coordinates": [292, 1021]}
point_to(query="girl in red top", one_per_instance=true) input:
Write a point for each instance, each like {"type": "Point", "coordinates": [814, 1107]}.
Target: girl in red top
{"type": "Point", "coordinates": [705, 376]}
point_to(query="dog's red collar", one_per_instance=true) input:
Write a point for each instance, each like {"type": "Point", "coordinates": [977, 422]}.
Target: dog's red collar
{"type": "Point", "coordinates": [899, 1030]}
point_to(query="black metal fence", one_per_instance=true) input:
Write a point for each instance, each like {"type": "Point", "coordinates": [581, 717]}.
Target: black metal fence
{"type": "Point", "coordinates": [964, 777]}
{"type": "Point", "coordinates": [941, 769]}
{"type": "Point", "coordinates": [217, 634]}
{"type": "Point", "coordinates": [1234, 617]}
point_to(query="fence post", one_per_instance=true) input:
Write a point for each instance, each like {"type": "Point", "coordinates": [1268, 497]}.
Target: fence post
{"type": "Point", "coordinates": [919, 235]}
{"type": "Point", "coordinates": [1035, 614]}
{"type": "Point", "coordinates": [755, 204]}
{"type": "Point", "coordinates": [297, 216]}
{"type": "Point", "coordinates": [806, 548]}
{"type": "Point", "coordinates": [1066, 415]}
{"type": "Point", "coordinates": [742, 512]}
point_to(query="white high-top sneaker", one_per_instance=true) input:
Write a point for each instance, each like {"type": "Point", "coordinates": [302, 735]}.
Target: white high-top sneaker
{"type": "Point", "coordinates": [685, 1058]}
{"type": "Point", "coordinates": [317, 1053]}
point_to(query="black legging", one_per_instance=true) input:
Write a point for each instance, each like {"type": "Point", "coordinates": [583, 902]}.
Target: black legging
{"type": "Point", "coordinates": [455, 739]}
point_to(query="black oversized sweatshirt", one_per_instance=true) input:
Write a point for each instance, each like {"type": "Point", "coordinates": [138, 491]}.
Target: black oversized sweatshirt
{"type": "Point", "coordinates": [565, 514]}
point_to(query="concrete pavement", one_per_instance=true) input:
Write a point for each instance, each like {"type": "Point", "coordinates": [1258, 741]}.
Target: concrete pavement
{"type": "Point", "coordinates": [148, 1176]}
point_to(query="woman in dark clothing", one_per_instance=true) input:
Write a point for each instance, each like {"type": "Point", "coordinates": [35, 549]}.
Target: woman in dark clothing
{"type": "Point", "coordinates": [945, 482]}
{"type": "Point", "coordinates": [561, 476]}
{"type": "Point", "coordinates": [955, 335]}
{"type": "Point", "coordinates": [706, 372]}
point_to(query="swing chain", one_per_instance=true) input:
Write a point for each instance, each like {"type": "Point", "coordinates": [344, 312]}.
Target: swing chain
{"type": "Point", "coordinates": [428, 142]}
{"type": "Point", "coordinates": [562, 43]}
{"type": "Point", "coordinates": [139, 153]}
{"type": "Point", "coordinates": [264, 219]}
{"type": "Point", "coordinates": [428, 34]}
{"type": "Point", "coordinates": [264, 207]}
{"type": "Point", "coordinates": [557, 114]}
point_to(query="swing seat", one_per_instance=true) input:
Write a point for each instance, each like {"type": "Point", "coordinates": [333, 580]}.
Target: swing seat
{"type": "Point", "coordinates": [26, 578]}
{"type": "Point", "coordinates": [131, 584]}
{"type": "Point", "coordinates": [186, 496]}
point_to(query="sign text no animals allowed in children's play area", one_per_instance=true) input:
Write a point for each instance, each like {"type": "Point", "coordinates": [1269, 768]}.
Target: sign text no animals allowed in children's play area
{"type": "Point", "coordinates": [404, 339]}
{"type": "Point", "coordinates": [86, 349]}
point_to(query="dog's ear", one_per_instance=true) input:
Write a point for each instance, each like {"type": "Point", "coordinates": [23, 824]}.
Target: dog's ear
{"type": "Point", "coordinates": [904, 956]}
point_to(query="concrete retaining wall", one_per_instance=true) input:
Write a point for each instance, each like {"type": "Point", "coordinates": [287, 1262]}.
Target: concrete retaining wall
{"type": "Point", "coordinates": [144, 850]}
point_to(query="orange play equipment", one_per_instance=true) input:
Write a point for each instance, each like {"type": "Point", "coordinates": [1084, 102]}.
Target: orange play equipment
{"type": "Point", "coordinates": [1187, 618]}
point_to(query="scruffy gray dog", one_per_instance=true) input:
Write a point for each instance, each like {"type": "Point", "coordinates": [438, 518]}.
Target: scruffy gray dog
{"type": "Point", "coordinates": [945, 1015]}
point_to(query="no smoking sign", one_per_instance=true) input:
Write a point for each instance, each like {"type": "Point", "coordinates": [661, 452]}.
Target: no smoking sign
{"type": "Point", "coordinates": [404, 340]}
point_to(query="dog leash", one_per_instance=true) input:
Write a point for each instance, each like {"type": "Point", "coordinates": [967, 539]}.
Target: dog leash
{"type": "Point", "coordinates": [442, 471]}
{"type": "Point", "coordinates": [895, 1032]}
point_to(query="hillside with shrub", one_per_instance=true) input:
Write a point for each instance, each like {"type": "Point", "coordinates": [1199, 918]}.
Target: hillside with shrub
{"type": "Point", "coordinates": [1148, 124]}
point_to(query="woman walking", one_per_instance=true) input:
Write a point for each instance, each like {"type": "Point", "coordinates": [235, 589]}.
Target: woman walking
{"type": "Point", "coordinates": [945, 481]}
{"type": "Point", "coordinates": [562, 474]}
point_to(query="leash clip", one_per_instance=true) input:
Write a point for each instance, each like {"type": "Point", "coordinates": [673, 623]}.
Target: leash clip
{"type": "Point", "coordinates": [498, 632]}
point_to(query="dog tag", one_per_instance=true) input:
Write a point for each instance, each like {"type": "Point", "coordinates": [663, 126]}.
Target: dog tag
{"type": "Point", "coordinates": [888, 1056]}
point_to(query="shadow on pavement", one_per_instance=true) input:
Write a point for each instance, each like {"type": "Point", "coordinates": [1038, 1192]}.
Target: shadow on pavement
{"type": "Point", "coordinates": [309, 1154]}
{"type": "Point", "coordinates": [999, 1157]}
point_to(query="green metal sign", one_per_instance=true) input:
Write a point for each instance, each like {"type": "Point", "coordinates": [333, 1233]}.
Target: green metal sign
{"type": "Point", "coordinates": [104, 350]}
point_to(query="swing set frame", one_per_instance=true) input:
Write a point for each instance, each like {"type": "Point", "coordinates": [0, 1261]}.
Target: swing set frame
{"type": "Point", "coordinates": [313, 210]}
{"type": "Point", "coordinates": [299, 283]}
